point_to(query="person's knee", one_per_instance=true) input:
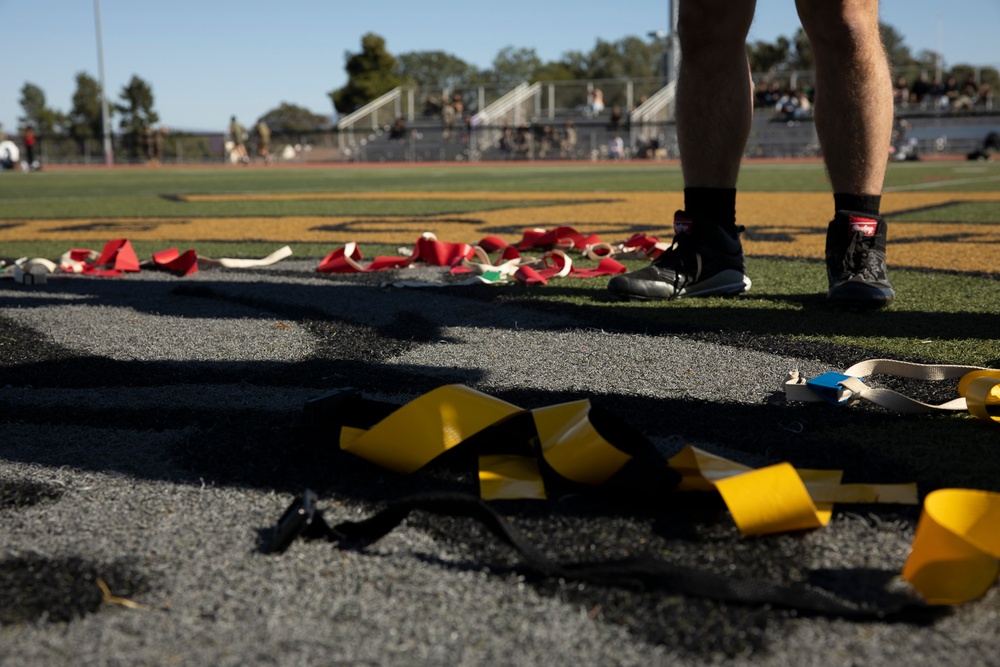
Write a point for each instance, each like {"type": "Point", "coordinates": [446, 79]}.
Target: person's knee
{"type": "Point", "coordinates": [704, 26]}
{"type": "Point", "coordinates": [840, 26]}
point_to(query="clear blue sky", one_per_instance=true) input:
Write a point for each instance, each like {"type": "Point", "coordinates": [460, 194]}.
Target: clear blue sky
{"type": "Point", "coordinates": [209, 59]}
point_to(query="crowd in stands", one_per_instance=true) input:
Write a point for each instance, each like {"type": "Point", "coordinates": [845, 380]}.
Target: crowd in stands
{"type": "Point", "coordinates": [950, 95]}
{"type": "Point", "coordinates": [787, 103]}
{"type": "Point", "coordinates": [916, 95]}
{"type": "Point", "coordinates": [538, 141]}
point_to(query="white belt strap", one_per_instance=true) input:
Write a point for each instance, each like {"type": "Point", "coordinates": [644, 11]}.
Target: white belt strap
{"type": "Point", "coordinates": [978, 386]}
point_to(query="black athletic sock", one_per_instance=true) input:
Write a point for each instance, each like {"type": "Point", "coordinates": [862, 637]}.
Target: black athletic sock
{"type": "Point", "coordinates": [867, 204]}
{"type": "Point", "coordinates": [716, 205]}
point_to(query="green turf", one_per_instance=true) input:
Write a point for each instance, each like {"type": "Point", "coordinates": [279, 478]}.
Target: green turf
{"type": "Point", "coordinates": [37, 191]}
{"type": "Point", "coordinates": [951, 212]}
{"type": "Point", "coordinates": [166, 207]}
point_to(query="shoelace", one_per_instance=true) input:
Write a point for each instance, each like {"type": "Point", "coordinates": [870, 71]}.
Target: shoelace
{"type": "Point", "coordinates": [679, 258]}
{"type": "Point", "coordinates": [859, 260]}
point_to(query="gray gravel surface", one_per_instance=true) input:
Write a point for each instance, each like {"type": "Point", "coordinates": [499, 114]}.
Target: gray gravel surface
{"type": "Point", "coordinates": [152, 432]}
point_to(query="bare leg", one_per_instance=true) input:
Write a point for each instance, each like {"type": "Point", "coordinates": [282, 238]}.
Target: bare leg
{"type": "Point", "coordinates": [853, 91]}
{"type": "Point", "coordinates": [714, 94]}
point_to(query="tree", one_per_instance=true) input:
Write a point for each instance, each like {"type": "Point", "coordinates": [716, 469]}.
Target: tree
{"type": "Point", "coordinates": [137, 114]}
{"type": "Point", "coordinates": [629, 57]}
{"type": "Point", "coordinates": [85, 119]}
{"type": "Point", "coordinates": [435, 68]}
{"type": "Point", "coordinates": [37, 113]}
{"type": "Point", "coordinates": [801, 56]}
{"type": "Point", "coordinates": [289, 118]}
{"type": "Point", "coordinates": [898, 52]}
{"type": "Point", "coordinates": [929, 61]}
{"type": "Point", "coordinates": [513, 66]}
{"type": "Point", "coordinates": [370, 74]}
{"type": "Point", "coordinates": [766, 57]}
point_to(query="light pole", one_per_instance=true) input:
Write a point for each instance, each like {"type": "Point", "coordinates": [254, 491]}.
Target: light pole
{"type": "Point", "coordinates": [658, 37]}
{"type": "Point", "coordinates": [673, 43]}
{"type": "Point", "coordinates": [105, 116]}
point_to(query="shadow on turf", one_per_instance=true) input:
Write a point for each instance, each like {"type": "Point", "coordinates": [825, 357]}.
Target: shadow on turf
{"type": "Point", "coordinates": [723, 318]}
{"type": "Point", "coordinates": [349, 353]}
{"type": "Point", "coordinates": [231, 446]}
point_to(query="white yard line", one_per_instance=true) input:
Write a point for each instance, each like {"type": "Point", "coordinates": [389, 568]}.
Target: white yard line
{"type": "Point", "coordinates": [942, 184]}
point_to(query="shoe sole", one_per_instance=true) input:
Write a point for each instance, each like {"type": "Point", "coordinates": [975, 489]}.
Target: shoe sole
{"type": "Point", "coordinates": [859, 297]}
{"type": "Point", "coordinates": [725, 283]}
{"type": "Point", "coordinates": [859, 305]}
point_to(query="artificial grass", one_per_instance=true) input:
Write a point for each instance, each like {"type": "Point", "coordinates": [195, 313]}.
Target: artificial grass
{"type": "Point", "coordinates": [147, 206]}
{"type": "Point", "coordinates": [48, 186]}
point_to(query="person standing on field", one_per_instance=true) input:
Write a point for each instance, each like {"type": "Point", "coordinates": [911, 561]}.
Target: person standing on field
{"type": "Point", "coordinates": [853, 114]}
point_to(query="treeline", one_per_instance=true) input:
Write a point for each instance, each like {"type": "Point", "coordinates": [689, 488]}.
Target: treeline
{"type": "Point", "coordinates": [373, 71]}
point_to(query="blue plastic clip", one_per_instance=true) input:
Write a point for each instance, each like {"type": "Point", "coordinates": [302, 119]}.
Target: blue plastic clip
{"type": "Point", "coordinates": [827, 386]}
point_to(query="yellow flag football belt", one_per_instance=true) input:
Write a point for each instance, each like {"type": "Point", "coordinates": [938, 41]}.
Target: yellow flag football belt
{"type": "Point", "coordinates": [532, 454]}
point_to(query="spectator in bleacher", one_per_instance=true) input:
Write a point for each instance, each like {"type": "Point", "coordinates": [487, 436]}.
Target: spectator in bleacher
{"type": "Point", "coordinates": [546, 141]}
{"type": "Point", "coordinates": [985, 97]}
{"type": "Point", "coordinates": [853, 114]}
{"type": "Point", "coordinates": [398, 130]}
{"type": "Point", "coordinates": [919, 91]}
{"type": "Point", "coordinates": [951, 93]}
{"type": "Point", "coordinates": [616, 148]}
{"type": "Point", "coordinates": [647, 148]}
{"type": "Point", "coordinates": [568, 143]}
{"type": "Point", "coordinates": [967, 96]}
{"type": "Point", "coordinates": [432, 106]}
{"type": "Point", "coordinates": [506, 141]}
{"type": "Point", "coordinates": [935, 97]}
{"type": "Point", "coordinates": [784, 106]}
{"type": "Point", "coordinates": [451, 115]}
{"type": "Point", "coordinates": [773, 94]}
{"type": "Point", "coordinates": [615, 119]}
{"type": "Point", "coordinates": [522, 143]}
{"type": "Point", "coordinates": [595, 101]}
{"type": "Point", "coordinates": [901, 93]}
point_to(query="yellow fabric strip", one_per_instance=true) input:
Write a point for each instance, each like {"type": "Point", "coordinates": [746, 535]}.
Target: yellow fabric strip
{"type": "Point", "coordinates": [954, 554]}
{"type": "Point", "coordinates": [699, 470]}
{"type": "Point", "coordinates": [769, 500]}
{"type": "Point", "coordinates": [781, 499]}
{"type": "Point", "coordinates": [426, 427]}
{"type": "Point", "coordinates": [572, 446]}
{"type": "Point", "coordinates": [982, 394]}
{"type": "Point", "coordinates": [509, 477]}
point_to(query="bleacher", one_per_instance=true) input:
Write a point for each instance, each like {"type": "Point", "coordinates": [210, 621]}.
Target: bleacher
{"type": "Point", "coordinates": [648, 132]}
{"type": "Point", "coordinates": [543, 109]}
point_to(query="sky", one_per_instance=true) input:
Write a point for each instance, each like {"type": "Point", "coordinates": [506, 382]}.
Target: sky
{"type": "Point", "coordinates": [209, 59]}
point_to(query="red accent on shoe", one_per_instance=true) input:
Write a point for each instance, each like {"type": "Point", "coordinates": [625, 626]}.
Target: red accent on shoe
{"type": "Point", "coordinates": [866, 226]}
{"type": "Point", "coordinates": [682, 225]}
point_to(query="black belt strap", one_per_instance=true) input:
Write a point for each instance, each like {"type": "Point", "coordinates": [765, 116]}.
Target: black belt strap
{"type": "Point", "coordinates": [304, 519]}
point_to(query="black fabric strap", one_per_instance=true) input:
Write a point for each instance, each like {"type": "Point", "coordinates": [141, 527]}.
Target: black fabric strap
{"type": "Point", "coordinates": [647, 574]}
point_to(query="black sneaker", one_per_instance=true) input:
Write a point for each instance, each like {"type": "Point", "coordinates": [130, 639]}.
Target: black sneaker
{"type": "Point", "coordinates": [855, 261]}
{"type": "Point", "coordinates": [703, 260]}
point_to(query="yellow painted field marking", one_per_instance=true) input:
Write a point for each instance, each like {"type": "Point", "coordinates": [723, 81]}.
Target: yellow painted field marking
{"type": "Point", "coordinates": [778, 224]}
